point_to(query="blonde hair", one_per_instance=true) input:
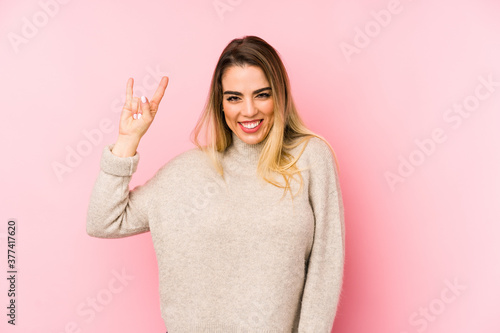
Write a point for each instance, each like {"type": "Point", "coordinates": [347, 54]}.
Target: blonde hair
{"type": "Point", "coordinates": [288, 130]}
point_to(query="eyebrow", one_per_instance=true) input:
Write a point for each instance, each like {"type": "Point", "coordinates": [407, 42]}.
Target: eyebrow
{"type": "Point", "coordinates": [240, 94]}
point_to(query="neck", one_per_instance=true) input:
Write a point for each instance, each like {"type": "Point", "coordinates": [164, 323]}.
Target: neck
{"type": "Point", "coordinates": [245, 151]}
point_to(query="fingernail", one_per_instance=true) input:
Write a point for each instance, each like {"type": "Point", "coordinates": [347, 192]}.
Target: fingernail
{"type": "Point", "coordinates": [139, 116]}
{"type": "Point", "coordinates": [143, 99]}
{"type": "Point", "coordinates": [135, 116]}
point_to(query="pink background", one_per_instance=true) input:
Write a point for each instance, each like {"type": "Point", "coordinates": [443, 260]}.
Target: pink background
{"type": "Point", "coordinates": [373, 84]}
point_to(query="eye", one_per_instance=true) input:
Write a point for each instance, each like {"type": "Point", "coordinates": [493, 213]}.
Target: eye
{"type": "Point", "coordinates": [263, 95]}
{"type": "Point", "coordinates": [231, 98]}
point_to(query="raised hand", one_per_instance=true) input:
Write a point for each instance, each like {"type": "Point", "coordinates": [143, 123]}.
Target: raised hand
{"type": "Point", "coordinates": [136, 117]}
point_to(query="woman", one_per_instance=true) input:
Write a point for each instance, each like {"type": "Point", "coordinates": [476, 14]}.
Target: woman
{"type": "Point", "coordinates": [235, 253]}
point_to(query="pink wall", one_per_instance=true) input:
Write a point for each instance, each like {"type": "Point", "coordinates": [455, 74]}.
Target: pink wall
{"type": "Point", "coordinates": [399, 88]}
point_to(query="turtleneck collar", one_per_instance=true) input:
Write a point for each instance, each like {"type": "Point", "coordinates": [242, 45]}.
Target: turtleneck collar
{"type": "Point", "coordinates": [245, 151]}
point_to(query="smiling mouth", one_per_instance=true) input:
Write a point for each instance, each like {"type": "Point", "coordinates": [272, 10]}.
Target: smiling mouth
{"type": "Point", "coordinates": [251, 124]}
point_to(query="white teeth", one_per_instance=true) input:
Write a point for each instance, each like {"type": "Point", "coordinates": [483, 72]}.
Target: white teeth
{"type": "Point", "coordinates": [251, 125]}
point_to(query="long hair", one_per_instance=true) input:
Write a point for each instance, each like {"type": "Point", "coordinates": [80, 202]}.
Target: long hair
{"type": "Point", "coordinates": [288, 130]}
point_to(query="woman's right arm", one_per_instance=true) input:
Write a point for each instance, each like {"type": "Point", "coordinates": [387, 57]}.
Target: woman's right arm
{"type": "Point", "coordinates": [114, 210]}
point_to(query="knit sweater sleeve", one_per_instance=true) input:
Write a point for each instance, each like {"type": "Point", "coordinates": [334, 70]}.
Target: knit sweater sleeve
{"type": "Point", "coordinates": [114, 211]}
{"type": "Point", "coordinates": [324, 275]}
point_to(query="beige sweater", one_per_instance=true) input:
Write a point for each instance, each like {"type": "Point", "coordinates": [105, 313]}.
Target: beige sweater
{"type": "Point", "coordinates": [231, 256]}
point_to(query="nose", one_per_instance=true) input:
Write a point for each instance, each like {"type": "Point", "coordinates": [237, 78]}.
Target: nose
{"type": "Point", "coordinates": [249, 110]}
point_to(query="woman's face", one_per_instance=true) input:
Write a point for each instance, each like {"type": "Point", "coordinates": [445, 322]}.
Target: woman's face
{"type": "Point", "coordinates": [247, 100]}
